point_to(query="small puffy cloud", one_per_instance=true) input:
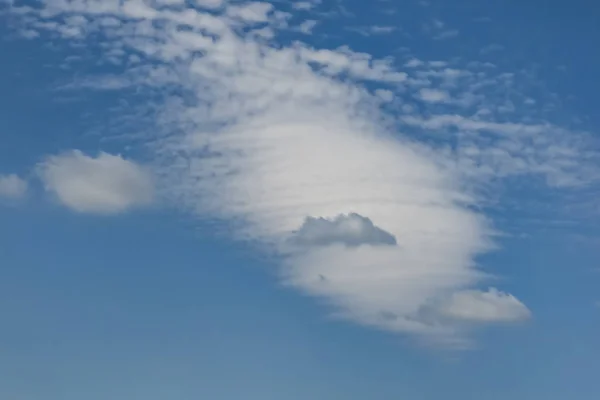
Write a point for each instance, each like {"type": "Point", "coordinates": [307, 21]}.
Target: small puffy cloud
{"type": "Point", "coordinates": [385, 95]}
{"type": "Point", "coordinates": [433, 95]}
{"type": "Point", "coordinates": [106, 184]}
{"type": "Point", "coordinates": [254, 12]}
{"type": "Point", "coordinates": [413, 63]}
{"type": "Point", "coordinates": [12, 187]}
{"type": "Point", "coordinates": [307, 26]}
{"type": "Point", "coordinates": [210, 4]}
{"type": "Point", "coordinates": [351, 230]}
{"type": "Point", "coordinates": [484, 307]}
{"type": "Point", "coordinates": [381, 29]}
{"type": "Point", "coordinates": [305, 5]}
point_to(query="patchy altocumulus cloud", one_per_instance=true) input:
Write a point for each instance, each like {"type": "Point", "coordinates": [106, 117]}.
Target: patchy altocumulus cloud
{"type": "Point", "coordinates": [433, 95]}
{"type": "Point", "coordinates": [106, 184]}
{"type": "Point", "coordinates": [267, 134]}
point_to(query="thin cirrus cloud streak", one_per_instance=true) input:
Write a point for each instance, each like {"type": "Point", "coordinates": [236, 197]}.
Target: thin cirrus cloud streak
{"type": "Point", "coordinates": [275, 136]}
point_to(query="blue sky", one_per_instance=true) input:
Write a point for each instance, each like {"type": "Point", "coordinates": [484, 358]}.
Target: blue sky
{"type": "Point", "coordinates": [291, 200]}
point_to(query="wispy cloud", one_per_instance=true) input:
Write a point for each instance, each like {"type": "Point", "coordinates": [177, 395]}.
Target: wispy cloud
{"type": "Point", "coordinates": [373, 30]}
{"type": "Point", "coordinates": [307, 26]}
{"type": "Point", "coordinates": [491, 48]}
{"type": "Point", "coordinates": [306, 5]}
{"type": "Point", "coordinates": [447, 34]}
{"type": "Point", "coordinates": [438, 30]}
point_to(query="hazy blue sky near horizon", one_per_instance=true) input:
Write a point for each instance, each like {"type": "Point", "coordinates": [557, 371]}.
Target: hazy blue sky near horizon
{"type": "Point", "coordinates": [325, 199]}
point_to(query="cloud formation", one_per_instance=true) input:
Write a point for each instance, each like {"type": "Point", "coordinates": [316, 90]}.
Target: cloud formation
{"type": "Point", "coordinates": [106, 184]}
{"type": "Point", "coordinates": [263, 134]}
{"type": "Point", "coordinates": [12, 187]}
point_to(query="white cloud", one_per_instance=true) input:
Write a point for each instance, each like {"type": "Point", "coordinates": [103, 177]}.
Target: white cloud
{"type": "Point", "coordinates": [358, 65]}
{"type": "Point", "coordinates": [413, 63]}
{"type": "Point", "coordinates": [519, 149]}
{"type": "Point", "coordinates": [276, 133]}
{"type": "Point", "coordinates": [373, 30]}
{"type": "Point", "coordinates": [252, 12]}
{"type": "Point", "coordinates": [443, 121]}
{"type": "Point", "coordinates": [385, 95]}
{"type": "Point", "coordinates": [305, 5]}
{"type": "Point", "coordinates": [434, 95]}
{"type": "Point", "coordinates": [446, 34]}
{"type": "Point", "coordinates": [382, 29]}
{"type": "Point", "coordinates": [209, 4]}
{"type": "Point", "coordinates": [12, 187]}
{"type": "Point", "coordinates": [275, 170]}
{"type": "Point", "coordinates": [437, 64]}
{"type": "Point", "coordinates": [105, 184]}
{"type": "Point", "coordinates": [307, 26]}
{"type": "Point", "coordinates": [478, 306]}
{"type": "Point", "coordinates": [274, 137]}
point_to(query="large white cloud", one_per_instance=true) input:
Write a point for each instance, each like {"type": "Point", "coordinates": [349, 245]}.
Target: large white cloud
{"type": "Point", "coordinates": [12, 187]}
{"type": "Point", "coordinates": [270, 135]}
{"type": "Point", "coordinates": [106, 184]}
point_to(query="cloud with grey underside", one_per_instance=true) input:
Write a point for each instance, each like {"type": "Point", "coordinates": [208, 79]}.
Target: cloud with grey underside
{"type": "Point", "coordinates": [350, 230]}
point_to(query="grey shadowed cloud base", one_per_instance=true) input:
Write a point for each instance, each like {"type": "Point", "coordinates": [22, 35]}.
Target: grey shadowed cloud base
{"type": "Point", "coordinates": [351, 230]}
